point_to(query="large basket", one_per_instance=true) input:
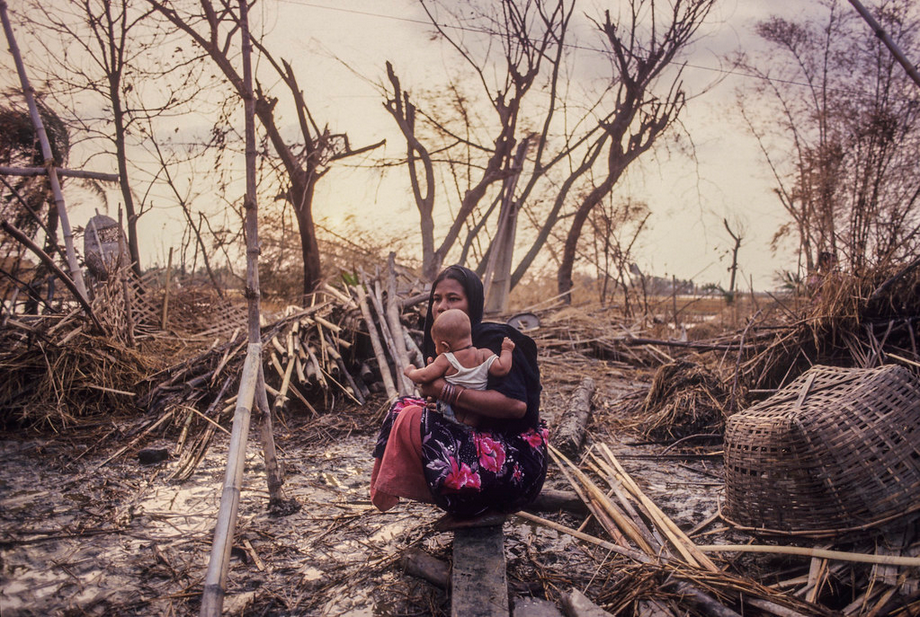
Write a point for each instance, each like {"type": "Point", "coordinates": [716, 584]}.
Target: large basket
{"type": "Point", "coordinates": [837, 449]}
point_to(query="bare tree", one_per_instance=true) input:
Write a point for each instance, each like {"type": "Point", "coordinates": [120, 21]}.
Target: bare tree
{"type": "Point", "coordinates": [837, 122]}
{"type": "Point", "coordinates": [305, 162]}
{"type": "Point", "coordinates": [641, 48]}
{"type": "Point", "coordinates": [579, 145]}
{"type": "Point", "coordinates": [111, 61]}
{"type": "Point", "coordinates": [614, 230]}
{"type": "Point", "coordinates": [737, 236]}
{"type": "Point", "coordinates": [530, 33]}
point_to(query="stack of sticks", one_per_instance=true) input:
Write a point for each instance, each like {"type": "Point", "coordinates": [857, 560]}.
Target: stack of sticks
{"type": "Point", "coordinates": [639, 530]}
{"type": "Point", "coordinates": [351, 341]}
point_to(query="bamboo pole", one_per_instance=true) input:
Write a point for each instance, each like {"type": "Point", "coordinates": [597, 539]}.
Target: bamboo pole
{"type": "Point", "coordinates": [403, 385]}
{"type": "Point", "coordinates": [129, 317]}
{"type": "Point", "coordinates": [396, 327]}
{"type": "Point", "coordinates": [804, 551]}
{"type": "Point", "coordinates": [653, 539]}
{"type": "Point", "coordinates": [273, 471]}
{"type": "Point", "coordinates": [75, 272]}
{"type": "Point", "coordinates": [379, 353]}
{"type": "Point", "coordinates": [678, 538]}
{"type": "Point", "coordinates": [623, 523]}
{"type": "Point", "coordinates": [610, 546]}
{"type": "Point", "coordinates": [61, 172]}
{"type": "Point", "coordinates": [219, 563]}
{"type": "Point", "coordinates": [252, 378]}
{"type": "Point", "coordinates": [889, 43]}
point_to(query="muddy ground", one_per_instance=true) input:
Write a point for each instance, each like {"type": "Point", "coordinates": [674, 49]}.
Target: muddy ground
{"type": "Point", "coordinates": [79, 537]}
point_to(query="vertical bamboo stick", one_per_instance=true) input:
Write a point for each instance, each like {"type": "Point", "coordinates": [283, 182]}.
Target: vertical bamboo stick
{"type": "Point", "coordinates": [396, 328]}
{"type": "Point", "coordinates": [403, 385]}
{"type": "Point", "coordinates": [166, 290]}
{"type": "Point", "coordinates": [75, 272]}
{"type": "Point", "coordinates": [379, 353]}
{"type": "Point", "coordinates": [252, 379]}
{"type": "Point", "coordinates": [121, 268]}
{"type": "Point", "coordinates": [273, 471]}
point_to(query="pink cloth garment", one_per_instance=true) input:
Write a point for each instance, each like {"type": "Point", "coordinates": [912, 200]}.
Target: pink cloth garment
{"type": "Point", "coordinates": [398, 473]}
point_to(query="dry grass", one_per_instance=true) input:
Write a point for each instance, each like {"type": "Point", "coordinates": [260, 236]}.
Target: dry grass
{"type": "Point", "coordinates": [54, 384]}
{"type": "Point", "coordinates": [686, 399]}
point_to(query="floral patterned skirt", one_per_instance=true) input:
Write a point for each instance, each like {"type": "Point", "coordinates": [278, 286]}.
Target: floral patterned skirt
{"type": "Point", "coordinates": [470, 471]}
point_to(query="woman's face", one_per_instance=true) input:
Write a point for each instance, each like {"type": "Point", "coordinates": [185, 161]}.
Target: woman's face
{"type": "Point", "coordinates": [449, 294]}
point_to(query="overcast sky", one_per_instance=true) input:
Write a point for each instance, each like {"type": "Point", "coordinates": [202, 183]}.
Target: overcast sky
{"type": "Point", "coordinates": [686, 237]}
{"type": "Point", "coordinates": [688, 201]}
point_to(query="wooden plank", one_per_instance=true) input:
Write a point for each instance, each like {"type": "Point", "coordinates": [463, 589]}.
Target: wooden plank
{"type": "Point", "coordinates": [479, 583]}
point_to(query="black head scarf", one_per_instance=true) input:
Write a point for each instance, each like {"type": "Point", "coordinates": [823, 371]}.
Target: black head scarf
{"type": "Point", "coordinates": [474, 297]}
{"type": "Point", "coordinates": [523, 383]}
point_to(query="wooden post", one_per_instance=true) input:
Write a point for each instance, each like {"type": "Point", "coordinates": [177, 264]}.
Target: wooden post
{"type": "Point", "coordinates": [273, 471]}
{"type": "Point", "coordinates": [479, 581]}
{"type": "Point", "coordinates": [29, 94]}
{"type": "Point", "coordinates": [166, 290]}
{"type": "Point", "coordinates": [252, 380]}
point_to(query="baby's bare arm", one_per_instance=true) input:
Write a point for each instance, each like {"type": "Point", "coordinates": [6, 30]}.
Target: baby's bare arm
{"type": "Point", "coordinates": [502, 364]}
{"type": "Point", "coordinates": [429, 373]}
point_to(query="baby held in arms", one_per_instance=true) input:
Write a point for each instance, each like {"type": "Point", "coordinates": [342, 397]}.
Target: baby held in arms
{"type": "Point", "coordinates": [460, 364]}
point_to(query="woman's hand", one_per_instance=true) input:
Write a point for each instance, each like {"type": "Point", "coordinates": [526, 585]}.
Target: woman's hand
{"type": "Point", "coordinates": [492, 404]}
{"type": "Point", "coordinates": [432, 389]}
{"type": "Point", "coordinates": [487, 403]}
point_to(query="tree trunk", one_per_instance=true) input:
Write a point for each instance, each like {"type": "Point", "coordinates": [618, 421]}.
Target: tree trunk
{"type": "Point", "coordinates": [564, 277]}
{"type": "Point", "coordinates": [123, 180]}
{"type": "Point", "coordinates": [302, 196]}
{"type": "Point", "coordinates": [114, 71]}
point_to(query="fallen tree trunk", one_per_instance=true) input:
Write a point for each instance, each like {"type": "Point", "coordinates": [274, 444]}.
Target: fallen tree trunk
{"type": "Point", "coordinates": [570, 432]}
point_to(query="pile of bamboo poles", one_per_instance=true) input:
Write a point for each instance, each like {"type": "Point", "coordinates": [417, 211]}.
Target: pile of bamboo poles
{"type": "Point", "coordinates": [351, 343]}
{"type": "Point", "coordinates": [688, 579]}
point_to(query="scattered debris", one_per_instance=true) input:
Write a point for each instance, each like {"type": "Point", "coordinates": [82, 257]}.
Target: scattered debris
{"type": "Point", "coordinates": [653, 541]}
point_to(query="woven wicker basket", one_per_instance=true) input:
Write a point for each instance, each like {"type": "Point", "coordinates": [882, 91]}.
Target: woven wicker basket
{"type": "Point", "coordinates": [837, 449]}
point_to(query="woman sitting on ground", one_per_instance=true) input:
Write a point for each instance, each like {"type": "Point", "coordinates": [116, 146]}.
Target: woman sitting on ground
{"type": "Point", "coordinates": [498, 466]}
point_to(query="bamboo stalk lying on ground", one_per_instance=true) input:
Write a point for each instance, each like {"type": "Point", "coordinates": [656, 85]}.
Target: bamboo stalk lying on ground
{"type": "Point", "coordinates": [805, 551]}
{"type": "Point", "coordinates": [678, 538]}
{"type": "Point", "coordinates": [602, 507]}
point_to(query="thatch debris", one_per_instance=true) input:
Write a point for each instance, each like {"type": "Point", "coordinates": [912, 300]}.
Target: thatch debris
{"type": "Point", "coordinates": [685, 399]}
